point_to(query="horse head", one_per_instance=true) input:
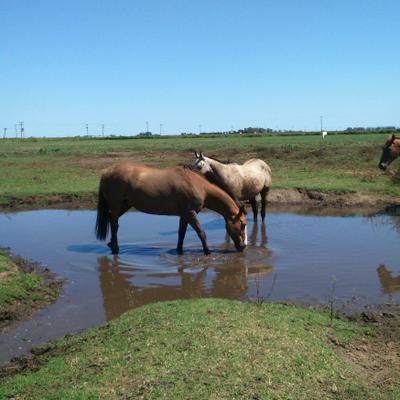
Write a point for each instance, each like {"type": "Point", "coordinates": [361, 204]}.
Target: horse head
{"type": "Point", "coordinates": [237, 229]}
{"type": "Point", "coordinates": [202, 163]}
{"type": "Point", "coordinates": [390, 151]}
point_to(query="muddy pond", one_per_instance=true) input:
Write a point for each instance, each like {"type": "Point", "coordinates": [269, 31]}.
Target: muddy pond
{"type": "Point", "coordinates": [295, 256]}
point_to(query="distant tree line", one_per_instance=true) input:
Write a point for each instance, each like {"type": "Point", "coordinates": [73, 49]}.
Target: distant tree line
{"type": "Point", "coordinates": [257, 131]}
{"type": "Point", "coordinates": [377, 129]}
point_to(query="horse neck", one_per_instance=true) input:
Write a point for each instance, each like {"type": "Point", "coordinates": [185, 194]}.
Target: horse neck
{"type": "Point", "coordinates": [217, 200]}
{"type": "Point", "coordinates": [219, 168]}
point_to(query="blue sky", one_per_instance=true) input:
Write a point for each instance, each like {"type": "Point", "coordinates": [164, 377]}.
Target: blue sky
{"type": "Point", "coordinates": [218, 64]}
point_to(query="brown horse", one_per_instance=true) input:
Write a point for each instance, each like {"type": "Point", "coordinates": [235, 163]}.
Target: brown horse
{"type": "Point", "coordinates": [390, 151]}
{"type": "Point", "coordinates": [241, 182]}
{"type": "Point", "coordinates": [173, 191]}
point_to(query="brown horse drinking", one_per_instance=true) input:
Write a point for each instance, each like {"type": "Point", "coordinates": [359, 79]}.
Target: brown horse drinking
{"type": "Point", "coordinates": [390, 151]}
{"type": "Point", "coordinates": [172, 191]}
{"type": "Point", "coordinates": [241, 182]}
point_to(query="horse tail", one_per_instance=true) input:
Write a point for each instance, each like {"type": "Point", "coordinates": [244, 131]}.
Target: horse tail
{"type": "Point", "coordinates": [103, 217]}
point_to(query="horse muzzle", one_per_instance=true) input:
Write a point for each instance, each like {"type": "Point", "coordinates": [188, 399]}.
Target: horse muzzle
{"type": "Point", "coordinates": [240, 246]}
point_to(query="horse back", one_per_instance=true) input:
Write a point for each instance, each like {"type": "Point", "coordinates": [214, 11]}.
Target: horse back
{"type": "Point", "coordinates": [259, 170]}
{"type": "Point", "coordinates": [158, 191]}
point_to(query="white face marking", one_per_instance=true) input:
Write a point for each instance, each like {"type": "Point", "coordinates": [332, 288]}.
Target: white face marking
{"type": "Point", "coordinates": [200, 164]}
{"type": "Point", "coordinates": [245, 235]}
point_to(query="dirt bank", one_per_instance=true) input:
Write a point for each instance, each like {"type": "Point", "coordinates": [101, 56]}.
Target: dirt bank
{"type": "Point", "coordinates": [20, 310]}
{"type": "Point", "coordinates": [276, 198]}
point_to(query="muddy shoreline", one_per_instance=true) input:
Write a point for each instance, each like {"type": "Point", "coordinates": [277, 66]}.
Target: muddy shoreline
{"type": "Point", "coordinates": [276, 198]}
{"type": "Point", "coordinates": [19, 311]}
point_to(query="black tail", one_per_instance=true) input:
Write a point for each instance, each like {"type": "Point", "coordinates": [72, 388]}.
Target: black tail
{"type": "Point", "coordinates": [103, 217]}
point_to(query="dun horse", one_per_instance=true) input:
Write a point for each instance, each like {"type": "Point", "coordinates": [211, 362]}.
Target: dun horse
{"type": "Point", "coordinates": [241, 182]}
{"type": "Point", "coordinates": [174, 191]}
{"type": "Point", "coordinates": [390, 151]}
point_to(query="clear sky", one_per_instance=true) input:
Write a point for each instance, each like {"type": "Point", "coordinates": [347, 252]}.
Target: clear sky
{"type": "Point", "coordinates": [180, 63]}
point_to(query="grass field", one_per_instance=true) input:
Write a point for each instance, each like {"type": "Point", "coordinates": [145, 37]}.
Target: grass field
{"type": "Point", "coordinates": [40, 168]}
{"type": "Point", "coordinates": [209, 349]}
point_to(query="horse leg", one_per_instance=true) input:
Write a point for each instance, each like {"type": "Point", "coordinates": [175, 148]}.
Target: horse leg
{"type": "Point", "coordinates": [254, 206]}
{"type": "Point", "coordinates": [195, 224]}
{"type": "Point", "coordinates": [114, 230]}
{"type": "Point", "coordinates": [181, 234]}
{"type": "Point", "coordinates": [114, 216]}
{"type": "Point", "coordinates": [264, 194]}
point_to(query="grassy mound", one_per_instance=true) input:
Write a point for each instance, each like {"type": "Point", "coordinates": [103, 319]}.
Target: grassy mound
{"type": "Point", "coordinates": [205, 349]}
{"type": "Point", "coordinates": [22, 289]}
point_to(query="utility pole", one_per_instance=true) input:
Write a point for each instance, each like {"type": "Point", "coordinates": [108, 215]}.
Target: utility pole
{"type": "Point", "coordinates": [21, 129]}
{"type": "Point", "coordinates": [160, 129]}
{"type": "Point", "coordinates": [4, 133]}
{"type": "Point", "coordinates": [147, 126]}
{"type": "Point", "coordinates": [16, 130]}
{"type": "Point", "coordinates": [321, 121]}
{"type": "Point", "coordinates": [87, 129]}
{"type": "Point", "coordinates": [102, 130]}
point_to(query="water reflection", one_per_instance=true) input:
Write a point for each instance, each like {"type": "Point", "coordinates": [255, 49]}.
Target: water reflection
{"type": "Point", "coordinates": [295, 258]}
{"type": "Point", "coordinates": [390, 284]}
{"type": "Point", "coordinates": [225, 274]}
{"type": "Point", "coordinates": [127, 286]}
{"type": "Point", "coordinates": [254, 234]}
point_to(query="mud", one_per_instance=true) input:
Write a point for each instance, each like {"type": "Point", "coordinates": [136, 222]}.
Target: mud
{"type": "Point", "coordinates": [377, 360]}
{"type": "Point", "coordinates": [276, 198]}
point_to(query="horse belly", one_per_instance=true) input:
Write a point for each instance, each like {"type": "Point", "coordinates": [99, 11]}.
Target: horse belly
{"type": "Point", "coordinates": [155, 205]}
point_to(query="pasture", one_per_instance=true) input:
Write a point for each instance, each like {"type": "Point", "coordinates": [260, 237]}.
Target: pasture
{"type": "Point", "coordinates": [204, 348]}
{"type": "Point", "coordinates": [41, 171]}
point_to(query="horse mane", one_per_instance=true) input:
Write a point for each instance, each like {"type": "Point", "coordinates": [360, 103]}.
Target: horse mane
{"type": "Point", "coordinates": [220, 161]}
{"type": "Point", "coordinates": [191, 168]}
{"type": "Point", "coordinates": [213, 179]}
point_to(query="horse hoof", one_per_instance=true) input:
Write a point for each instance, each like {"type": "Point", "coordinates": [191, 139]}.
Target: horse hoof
{"type": "Point", "coordinates": [207, 252]}
{"type": "Point", "coordinates": [109, 245]}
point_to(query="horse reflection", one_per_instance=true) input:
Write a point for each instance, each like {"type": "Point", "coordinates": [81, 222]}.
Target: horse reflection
{"type": "Point", "coordinates": [125, 287]}
{"type": "Point", "coordinates": [254, 235]}
{"type": "Point", "coordinates": [390, 284]}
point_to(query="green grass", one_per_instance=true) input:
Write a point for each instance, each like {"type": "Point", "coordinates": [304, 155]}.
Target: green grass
{"type": "Point", "coordinates": [204, 349]}
{"type": "Point", "coordinates": [45, 167]}
{"type": "Point", "coordinates": [18, 288]}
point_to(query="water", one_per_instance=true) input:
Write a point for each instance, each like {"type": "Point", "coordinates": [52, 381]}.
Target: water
{"type": "Point", "coordinates": [293, 257]}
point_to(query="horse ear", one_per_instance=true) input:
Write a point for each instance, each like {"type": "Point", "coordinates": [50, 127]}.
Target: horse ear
{"type": "Point", "coordinates": [391, 138]}
{"type": "Point", "coordinates": [201, 154]}
{"type": "Point", "coordinates": [196, 154]}
{"type": "Point", "coordinates": [242, 210]}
